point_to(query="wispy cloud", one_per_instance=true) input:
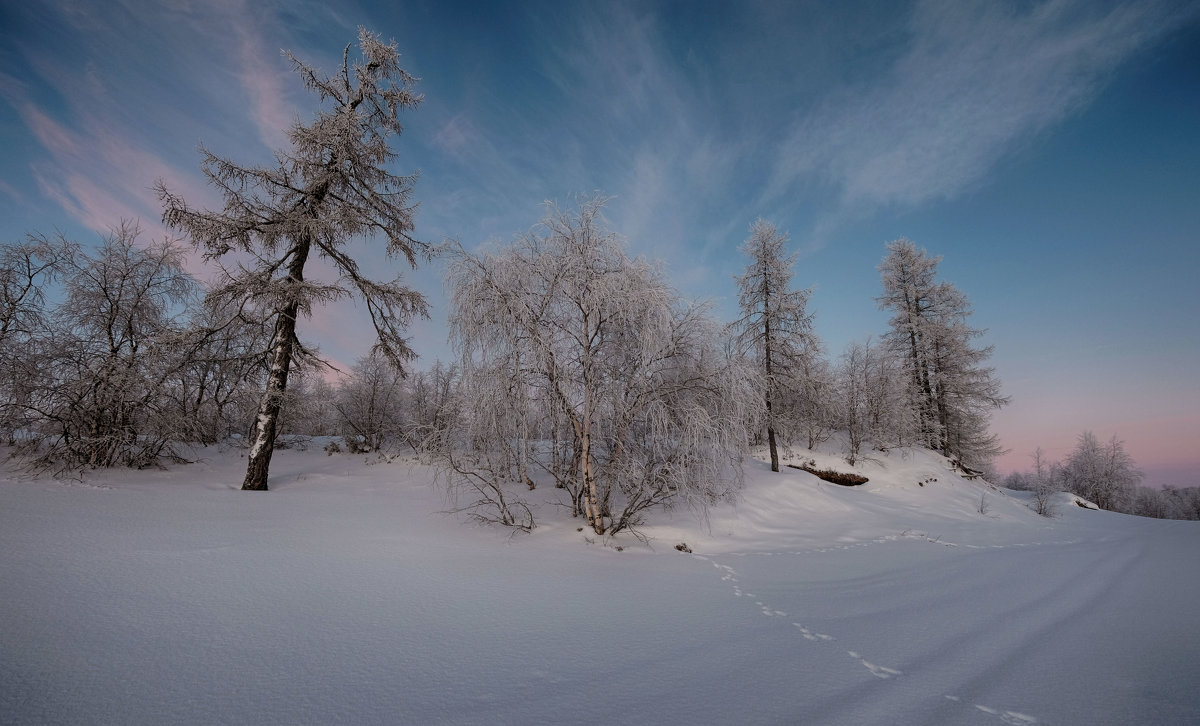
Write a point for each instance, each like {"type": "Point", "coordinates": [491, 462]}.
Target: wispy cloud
{"type": "Point", "coordinates": [976, 80]}
{"type": "Point", "coordinates": [263, 75]}
{"type": "Point", "coordinates": [93, 173]}
{"type": "Point", "coordinates": [664, 157]}
{"type": "Point", "coordinates": [103, 148]}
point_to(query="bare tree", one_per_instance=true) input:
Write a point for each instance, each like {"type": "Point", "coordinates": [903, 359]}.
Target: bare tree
{"type": "Point", "coordinates": [427, 416]}
{"type": "Point", "coordinates": [855, 369]}
{"type": "Point", "coordinates": [309, 405]}
{"type": "Point", "coordinates": [811, 411]}
{"type": "Point", "coordinates": [330, 186]}
{"type": "Point", "coordinates": [775, 324]}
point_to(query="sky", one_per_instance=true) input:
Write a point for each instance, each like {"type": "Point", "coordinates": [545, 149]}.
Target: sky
{"type": "Point", "coordinates": [1049, 152]}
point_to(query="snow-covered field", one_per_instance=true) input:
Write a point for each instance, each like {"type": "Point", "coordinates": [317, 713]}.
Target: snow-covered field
{"type": "Point", "coordinates": [345, 596]}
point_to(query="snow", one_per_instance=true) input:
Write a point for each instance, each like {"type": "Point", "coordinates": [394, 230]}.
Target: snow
{"type": "Point", "coordinates": [347, 595]}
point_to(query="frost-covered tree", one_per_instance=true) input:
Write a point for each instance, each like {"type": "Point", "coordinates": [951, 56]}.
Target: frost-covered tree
{"type": "Point", "coordinates": [309, 405]}
{"type": "Point", "coordinates": [1043, 484]}
{"type": "Point", "coordinates": [428, 410]}
{"type": "Point", "coordinates": [330, 186]}
{"type": "Point", "coordinates": [950, 388]}
{"type": "Point", "coordinates": [775, 325]}
{"type": "Point", "coordinates": [585, 364]}
{"type": "Point", "coordinates": [856, 367]}
{"type": "Point", "coordinates": [369, 402]}
{"type": "Point", "coordinates": [1104, 473]}
{"type": "Point", "coordinates": [217, 388]}
{"type": "Point", "coordinates": [26, 269]}
{"type": "Point", "coordinates": [94, 382]}
{"type": "Point", "coordinates": [811, 411]}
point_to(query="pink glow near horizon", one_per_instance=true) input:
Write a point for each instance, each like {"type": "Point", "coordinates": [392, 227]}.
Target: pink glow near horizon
{"type": "Point", "coordinates": [1162, 444]}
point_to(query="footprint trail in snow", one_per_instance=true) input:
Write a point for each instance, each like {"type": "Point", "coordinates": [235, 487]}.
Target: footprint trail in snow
{"type": "Point", "coordinates": [730, 575]}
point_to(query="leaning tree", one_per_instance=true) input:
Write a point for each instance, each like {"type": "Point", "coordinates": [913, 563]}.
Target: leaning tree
{"type": "Point", "coordinates": [330, 186]}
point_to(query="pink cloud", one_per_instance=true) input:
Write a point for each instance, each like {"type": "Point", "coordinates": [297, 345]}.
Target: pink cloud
{"type": "Point", "coordinates": [100, 178]}
{"type": "Point", "coordinates": [13, 192]}
{"type": "Point", "coordinates": [96, 175]}
{"type": "Point", "coordinates": [264, 75]}
{"type": "Point", "coordinates": [456, 135]}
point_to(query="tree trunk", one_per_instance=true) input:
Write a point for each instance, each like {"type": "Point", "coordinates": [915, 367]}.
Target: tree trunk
{"type": "Point", "coordinates": [265, 423]}
{"type": "Point", "coordinates": [770, 380]}
{"type": "Point", "coordinates": [774, 451]}
{"type": "Point", "coordinates": [591, 501]}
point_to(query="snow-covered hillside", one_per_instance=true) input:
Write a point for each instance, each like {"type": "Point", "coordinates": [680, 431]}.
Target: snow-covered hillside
{"type": "Point", "coordinates": [345, 596]}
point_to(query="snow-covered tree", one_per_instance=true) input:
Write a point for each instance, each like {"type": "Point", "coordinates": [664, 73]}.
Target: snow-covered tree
{"type": "Point", "coordinates": [1044, 483]}
{"type": "Point", "coordinates": [775, 325]}
{"type": "Point", "coordinates": [26, 269]}
{"type": "Point", "coordinates": [856, 367]}
{"type": "Point", "coordinates": [428, 410]}
{"type": "Point", "coordinates": [369, 402]}
{"type": "Point", "coordinates": [217, 388]}
{"type": "Point", "coordinates": [810, 411]}
{"type": "Point", "coordinates": [1104, 473]}
{"type": "Point", "coordinates": [330, 186]}
{"type": "Point", "coordinates": [94, 382]}
{"type": "Point", "coordinates": [950, 388]}
{"type": "Point", "coordinates": [309, 405]}
{"type": "Point", "coordinates": [568, 343]}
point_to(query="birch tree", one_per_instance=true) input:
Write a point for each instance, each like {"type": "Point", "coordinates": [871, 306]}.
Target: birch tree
{"type": "Point", "coordinates": [330, 186]}
{"type": "Point", "coordinates": [562, 333]}
{"type": "Point", "coordinates": [775, 326]}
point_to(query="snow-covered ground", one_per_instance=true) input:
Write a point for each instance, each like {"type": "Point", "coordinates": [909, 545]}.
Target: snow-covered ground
{"type": "Point", "coordinates": [345, 596]}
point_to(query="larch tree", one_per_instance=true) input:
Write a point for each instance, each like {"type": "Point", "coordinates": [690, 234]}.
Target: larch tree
{"type": "Point", "coordinates": [775, 325]}
{"type": "Point", "coordinates": [330, 186]}
{"type": "Point", "coordinates": [950, 388]}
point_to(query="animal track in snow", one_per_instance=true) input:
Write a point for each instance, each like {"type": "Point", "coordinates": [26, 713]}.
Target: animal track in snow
{"type": "Point", "coordinates": [730, 575]}
{"type": "Point", "coordinates": [876, 670]}
{"type": "Point", "coordinates": [1014, 718]}
{"type": "Point", "coordinates": [810, 635]}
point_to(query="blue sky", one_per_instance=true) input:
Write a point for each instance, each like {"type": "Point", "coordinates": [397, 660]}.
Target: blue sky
{"type": "Point", "coordinates": [1049, 151]}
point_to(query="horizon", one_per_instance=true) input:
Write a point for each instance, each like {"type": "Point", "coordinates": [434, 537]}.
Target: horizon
{"type": "Point", "coordinates": [1048, 152]}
